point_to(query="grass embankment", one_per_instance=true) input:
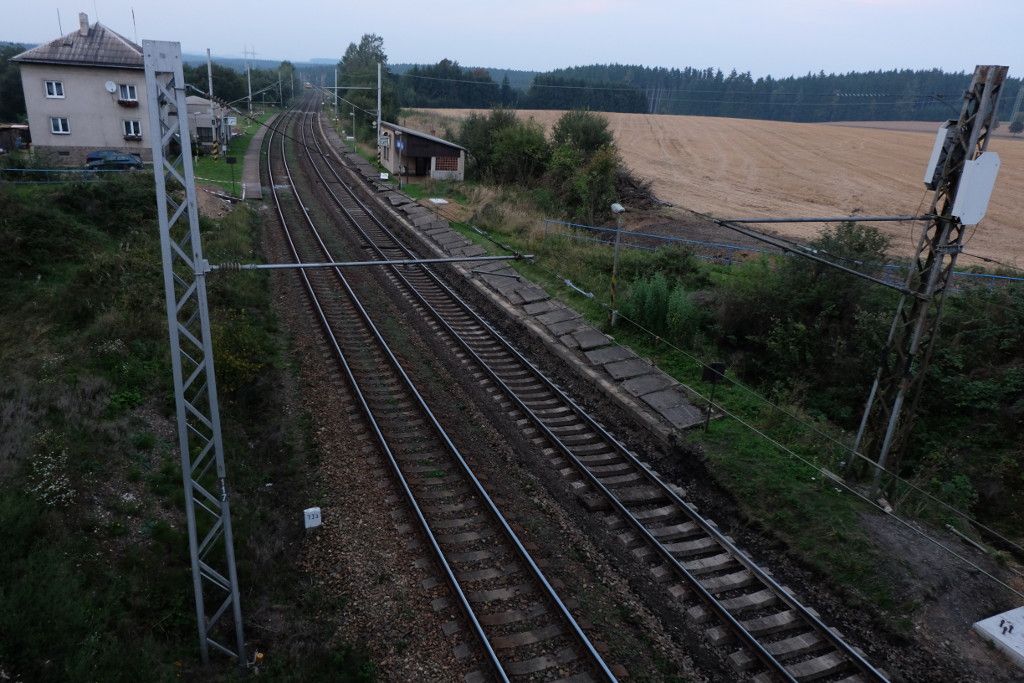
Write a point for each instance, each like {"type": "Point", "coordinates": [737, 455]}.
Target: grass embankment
{"type": "Point", "coordinates": [215, 169]}
{"type": "Point", "coordinates": [796, 501]}
{"type": "Point", "coordinates": [95, 582]}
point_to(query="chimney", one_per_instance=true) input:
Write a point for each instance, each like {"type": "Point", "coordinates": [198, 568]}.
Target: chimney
{"type": "Point", "coordinates": [83, 24]}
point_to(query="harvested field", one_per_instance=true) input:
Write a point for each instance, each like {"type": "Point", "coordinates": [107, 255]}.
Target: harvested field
{"type": "Point", "coordinates": [742, 167]}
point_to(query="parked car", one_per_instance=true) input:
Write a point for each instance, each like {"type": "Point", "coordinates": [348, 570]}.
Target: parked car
{"type": "Point", "coordinates": [112, 160]}
{"type": "Point", "coordinates": [106, 154]}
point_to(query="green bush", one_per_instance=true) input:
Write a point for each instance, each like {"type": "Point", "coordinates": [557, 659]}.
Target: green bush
{"type": "Point", "coordinates": [519, 153]}
{"type": "Point", "coordinates": [584, 131]}
{"type": "Point", "coordinates": [683, 318]}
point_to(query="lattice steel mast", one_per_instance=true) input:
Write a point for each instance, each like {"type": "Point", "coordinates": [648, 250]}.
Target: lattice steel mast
{"type": "Point", "coordinates": [207, 512]}
{"type": "Point", "coordinates": [885, 425]}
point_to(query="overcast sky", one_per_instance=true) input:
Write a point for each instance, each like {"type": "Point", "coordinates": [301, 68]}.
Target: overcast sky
{"type": "Point", "coordinates": [777, 37]}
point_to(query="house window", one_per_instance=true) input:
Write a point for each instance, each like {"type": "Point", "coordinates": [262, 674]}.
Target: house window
{"type": "Point", "coordinates": [446, 164]}
{"type": "Point", "coordinates": [128, 93]}
{"type": "Point", "coordinates": [132, 130]}
{"type": "Point", "coordinates": [59, 125]}
{"type": "Point", "coordinates": [55, 89]}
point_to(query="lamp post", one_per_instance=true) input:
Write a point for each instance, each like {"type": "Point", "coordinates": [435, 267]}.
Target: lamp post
{"type": "Point", "coordinates": [618, 210]}
{"type": "Point", "coordinates": [353, 130]}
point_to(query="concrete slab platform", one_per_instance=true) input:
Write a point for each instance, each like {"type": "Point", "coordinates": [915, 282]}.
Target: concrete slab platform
{"type": "Point", "coordinates": [540, 307]}
{"type": "Point", "coordinates": [251, 186]}
{"type": "Point", "coordinates": [565, 326]}
{"type": "Point", "coordinates": [532, 293]}
{"type": "Point", "coordinates": [609, 354]}
{"type": "Point", "coordinates": [683, 416]}
{"type": "Point", "coordinates": [489, 267]}
{"type": "Point", "coordinates": [396, 199]}
{"type": "Point", "coordinates": [472, 250]}
{"type": "Point", "coordinates": [1006, 632]}
{"type": "Point", "coordinates": [557, 315]}
{"type": "Point", "coordinates": [645, 384]}
{"type": "Point", "coordinates": [591, 339]}
{"type": "Point", "coordinates": [664, 399]}
{"type": "Point", "coordinates": [625, 369]}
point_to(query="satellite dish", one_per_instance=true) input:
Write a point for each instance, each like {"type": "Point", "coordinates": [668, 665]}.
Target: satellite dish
{"type": "Point", "coordinates": [111, 87]}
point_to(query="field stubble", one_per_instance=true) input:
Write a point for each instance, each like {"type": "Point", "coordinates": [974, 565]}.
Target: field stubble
{"type": "Point", "coordinates": [743, 167]}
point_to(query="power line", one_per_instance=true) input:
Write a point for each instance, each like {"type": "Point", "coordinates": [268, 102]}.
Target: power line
{"type": "Point", "coordinates": [959, 513]}
{"type": "Point", "coordinates": [747, 389]}
{"type": "Point", "coordinates": [992, 260]}
{"type": "Point", "coordinates": [642, 88]}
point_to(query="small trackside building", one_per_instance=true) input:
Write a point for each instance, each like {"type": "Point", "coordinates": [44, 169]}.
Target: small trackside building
{"type": "Point", "coordinates": [85, 91]}
{"type": "Point", "coordinates": [420, 154]}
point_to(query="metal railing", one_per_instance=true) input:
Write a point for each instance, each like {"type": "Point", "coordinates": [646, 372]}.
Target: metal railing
{"type": "Point", "coordinates": [629, 239]}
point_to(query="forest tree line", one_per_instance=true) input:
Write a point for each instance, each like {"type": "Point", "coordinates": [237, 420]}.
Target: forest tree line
{"type": "Point", "coordinates": [895, 95]}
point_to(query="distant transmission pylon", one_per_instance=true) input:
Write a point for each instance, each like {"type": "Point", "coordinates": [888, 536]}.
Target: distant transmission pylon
{"type": "Point", "coordinates": [1017, 103]}
{"type": "Point", "coordinates": [888, 416]}
{"type": "Point", "coordinates": [207, 513]}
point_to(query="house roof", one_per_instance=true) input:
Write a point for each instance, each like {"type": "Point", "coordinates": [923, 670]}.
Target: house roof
{"type": "Point", "coordinates": [100, 46]}
{"type": "Point", "coordinates": [421, 134]}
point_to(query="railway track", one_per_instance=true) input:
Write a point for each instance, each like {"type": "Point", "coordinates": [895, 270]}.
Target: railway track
{"type": "Point", "coordinates": [769, 633]}
{"type": "Point", "coordinates": [521, 627]}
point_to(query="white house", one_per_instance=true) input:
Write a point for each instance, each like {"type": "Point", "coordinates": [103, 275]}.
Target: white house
{"type": "Point", "coordinates": [206, 129]}
{"type": "Point", "coordinates": [86, 91]}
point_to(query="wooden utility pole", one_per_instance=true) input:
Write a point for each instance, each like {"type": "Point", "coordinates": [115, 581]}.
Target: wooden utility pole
{"type": "Point", "coordinates": [888, 416]}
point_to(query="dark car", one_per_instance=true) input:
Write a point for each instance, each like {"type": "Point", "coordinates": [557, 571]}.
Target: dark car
{"type": "Point", "coordinates": [112, 160]}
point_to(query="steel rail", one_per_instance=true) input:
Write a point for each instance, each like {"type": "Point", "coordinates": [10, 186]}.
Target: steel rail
{"type": "Point", "coordinates": [748, 639]}
{"type": "Point", "coordinates": [547, 589]}
{"type": "Point", "coordinates": [378, 432]}
{"type": "Point", "coordinates": [538, 574]}
{"type": "Point", "coordinates": [813, 621]}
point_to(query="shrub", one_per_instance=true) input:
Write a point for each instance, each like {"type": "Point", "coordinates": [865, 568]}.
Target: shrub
{"type": "Point", "coordinates": [519, 153]}
{"type": "Point", "coordinates": [646, 302]}
{"type": "Point", "coordinates": [584, 131]}
{"type": "Point", "coordinates": [683, 318]}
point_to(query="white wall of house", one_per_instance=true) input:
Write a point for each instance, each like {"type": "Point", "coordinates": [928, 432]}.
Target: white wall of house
{"type": "Point", "coordinates": [449, 174]}
{"type": "Point", "coordinates": [94, 117]}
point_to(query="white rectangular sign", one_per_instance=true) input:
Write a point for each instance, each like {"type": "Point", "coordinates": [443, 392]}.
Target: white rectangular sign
{"type": "Point", "coordinates": [312, 517]}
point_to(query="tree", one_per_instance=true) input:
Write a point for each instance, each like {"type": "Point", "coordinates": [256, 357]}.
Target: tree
{"type": "Point", "coordinates": [359, 68]}
{"type": "Point", "coordinates": [584, 130]}
{"type": "Point", "coordinates": [446, 84]}
{"type": "Point", "coordinates": [286, 72]}
{"type": "Point", "coordinates": [478, 133]}
{"type": "Point", "coordinates": [1017, 127]}
{"type": "Point", "coordinates": [520, 153]}
{"type": "Point", "coordinates": [12, 98]}
{"type": "Point", "coordinates": [228, 84]}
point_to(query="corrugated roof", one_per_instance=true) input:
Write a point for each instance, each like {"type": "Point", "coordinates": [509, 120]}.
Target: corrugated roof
{"type": "Point", "coordinates": [102, 47]}
{"type": "Point", "coordinates": [421, 134]}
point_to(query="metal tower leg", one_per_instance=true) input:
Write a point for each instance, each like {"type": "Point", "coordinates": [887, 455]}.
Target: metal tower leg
{"type": "Point", "coordinates": [888, 416]}
{"type": "Point", "coordinates": [207, 512]}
